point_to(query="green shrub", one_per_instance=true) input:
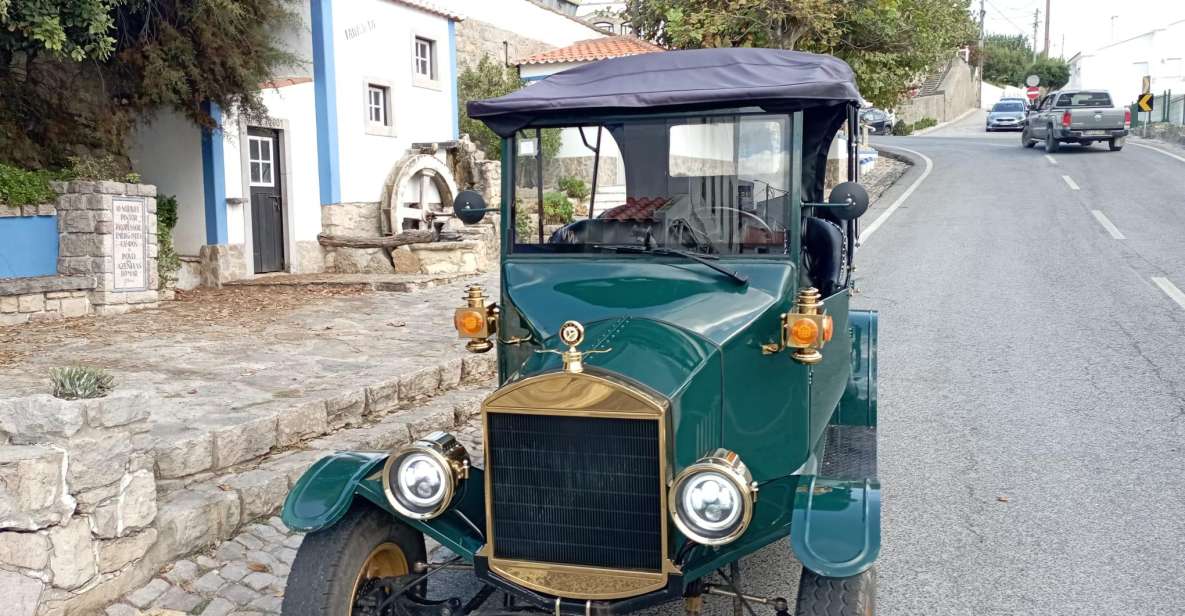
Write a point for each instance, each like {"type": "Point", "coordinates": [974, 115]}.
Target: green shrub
{"type": "Point", "coordinates": [167, 260]}
{"type": "Point", "coordinates": [924, 123]}
{"type": "Point", "coordinates": [557, 209]}
{"type": "Point", "coordinates": [94, 168]}
{"type": "Point", "coordinates": [19, 187]}
{"type": "Point", "coordinates": [78, 382]}
{"type": "Point", "coordinates": [574, 187]}
{"type": "Point", "coordinates": [901, 129]}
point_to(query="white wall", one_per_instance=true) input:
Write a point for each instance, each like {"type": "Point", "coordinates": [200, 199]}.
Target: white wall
{"type": "Point", "coordinates": [167, 152]}
{"type": "Point", "coordinates": [380, 51]}
{"type": "Point", "coordinates": [525, 18]}
{"type": "Point", "coordinates": [1120, 67]}
{"type": "Point", "coordinates": [991, 94]}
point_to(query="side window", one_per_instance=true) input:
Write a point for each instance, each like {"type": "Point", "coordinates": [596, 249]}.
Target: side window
{"type": "Point", "coordinates": [379, 120]}
{"type": "Point", "coordinates": [1047, 104]}
{"type": "Point", "coordinates": [424, 71]}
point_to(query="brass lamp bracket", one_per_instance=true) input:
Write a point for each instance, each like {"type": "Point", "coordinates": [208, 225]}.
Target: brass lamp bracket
{"type": "Point", "coordinates": [808, 314]}
{"type": "Point", "coordinates": [572, 334]}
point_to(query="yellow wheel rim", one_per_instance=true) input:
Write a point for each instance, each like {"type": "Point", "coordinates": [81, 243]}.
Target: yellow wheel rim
{"type": "Point", "coordinates": [385, 560]}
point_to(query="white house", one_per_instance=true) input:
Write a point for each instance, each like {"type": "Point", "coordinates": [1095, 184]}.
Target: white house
{"type": "Point", "coordinates": [350, 126]}
{"type": "Point", "coordinates": [1121, 66]}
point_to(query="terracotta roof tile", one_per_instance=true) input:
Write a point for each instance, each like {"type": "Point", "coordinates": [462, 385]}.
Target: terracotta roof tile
{"type": "Point", "coordinates": [594, 49]}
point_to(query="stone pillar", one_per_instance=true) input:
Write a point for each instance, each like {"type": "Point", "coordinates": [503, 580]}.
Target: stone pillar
{"type": "Point", "coordinates": [107, 230]}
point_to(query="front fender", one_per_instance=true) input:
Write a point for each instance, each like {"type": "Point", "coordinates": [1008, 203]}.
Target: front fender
{"type": "Point", "coordinates": [325, 492]}
{"type": "Point", "coordinates": [836, 527]}
{"type": "Point", "coordinates": [858, 405]}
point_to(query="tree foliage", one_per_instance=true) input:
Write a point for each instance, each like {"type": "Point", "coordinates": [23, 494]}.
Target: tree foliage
{"type": "Point", "coordinates": [889, 43]}
{"type": "Point", "coordinates": [1008, 60]}
{"type": "Point", "coordinates": [76, 75]}
{"type": "Point", "coordinates": [1054, 72]}
{"type": "Point", "coordinates": [490, 79]}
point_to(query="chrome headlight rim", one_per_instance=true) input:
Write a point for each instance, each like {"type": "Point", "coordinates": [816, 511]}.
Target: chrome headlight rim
{"type": "Point", "coordinates": [726, 464]}
{"type": "Point", "coordinates": [451, 459]}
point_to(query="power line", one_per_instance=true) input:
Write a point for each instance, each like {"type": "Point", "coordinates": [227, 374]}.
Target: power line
{"type": "Point", "coordinates": [1023, 31]}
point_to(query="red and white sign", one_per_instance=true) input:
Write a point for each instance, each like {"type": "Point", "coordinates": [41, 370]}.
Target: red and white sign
{"type": "Point", "coordinates": [1033, 92]}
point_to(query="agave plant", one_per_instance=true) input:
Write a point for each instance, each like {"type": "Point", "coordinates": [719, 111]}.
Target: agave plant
{"type": "Point", "coordinates": [77, 382]}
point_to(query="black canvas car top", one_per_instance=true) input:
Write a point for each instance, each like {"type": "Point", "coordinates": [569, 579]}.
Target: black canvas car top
{"type": "Point", "coordinates": [774, 79]}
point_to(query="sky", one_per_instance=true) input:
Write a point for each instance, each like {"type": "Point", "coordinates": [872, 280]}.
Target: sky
{"type": "Point", "coordinates": [1085, 25]}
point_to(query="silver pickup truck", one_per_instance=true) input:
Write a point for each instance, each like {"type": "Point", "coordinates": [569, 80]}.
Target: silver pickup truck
{"type": "Point", "coordinates": [1076, 116]}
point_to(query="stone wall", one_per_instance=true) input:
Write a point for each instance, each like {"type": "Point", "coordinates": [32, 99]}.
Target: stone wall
{"type": "Point", "coordinates": [476, 39]}
{"type": "Point", "coordinates": [957, 93]}
{"type": "Point", "coordinates": [101, 269]}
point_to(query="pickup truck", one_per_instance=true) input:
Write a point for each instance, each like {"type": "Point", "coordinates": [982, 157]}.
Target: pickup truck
{"type": "Point", "coordinates": [1076, 116]}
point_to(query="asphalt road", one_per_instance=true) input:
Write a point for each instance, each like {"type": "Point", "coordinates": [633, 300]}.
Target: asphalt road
{"type": "Point", "coordinates": [1032, 383]}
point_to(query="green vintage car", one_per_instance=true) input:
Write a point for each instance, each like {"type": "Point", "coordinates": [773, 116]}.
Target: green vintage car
{"type": "Point", "coordinates": [681, 379]}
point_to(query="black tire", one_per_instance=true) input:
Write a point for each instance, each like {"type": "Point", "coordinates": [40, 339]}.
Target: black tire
{"type": "Point", "coordinates": [1113, 146]}
{"type": "Point", "coordinates": [329, 561]}
{"type": "Point", "coordinates": [1051, 144]}
{"type": "Point", "coordinates": [824, 596]}
{"type": "Point", "coordinates": [1025, 139]}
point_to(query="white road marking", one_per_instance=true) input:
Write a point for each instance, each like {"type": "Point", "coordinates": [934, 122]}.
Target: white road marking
{"type": "Point", "coordinates": [1070, 182]}
{"type": "Point", "coordinates": [1050, 159]}
{"type": "Point", "coordinates": [1148, 147]}
{"type": "Point", "coordinates": [880, 220]}
{"type": "Point", "coordinates": [1108, 225]}
{"type": "Point", "coordinates": [1170, 289]}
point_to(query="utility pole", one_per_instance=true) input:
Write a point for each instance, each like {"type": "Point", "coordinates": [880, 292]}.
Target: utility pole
{"type": "Point", "coordinates": [1036, 21]}
{"type": "Point", "coordinates": [982, 53]}
{"type": "Point", "coordinates": [1047, 13]}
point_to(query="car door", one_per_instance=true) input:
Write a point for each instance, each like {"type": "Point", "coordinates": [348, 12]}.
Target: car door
{"type": "Point", "coordinates": [1040, 118]}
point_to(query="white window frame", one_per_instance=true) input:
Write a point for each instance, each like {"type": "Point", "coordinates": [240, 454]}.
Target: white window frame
{"type": "Point", "coordinates": [270, 161]}
{"type": "Point", "coordinates": [432, 79]}
{"type": "Point", "coordinates": [386, 128]}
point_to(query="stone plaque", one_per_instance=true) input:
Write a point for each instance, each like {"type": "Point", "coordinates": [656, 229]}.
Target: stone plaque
{"type": "Point", "coordinates": [130, 245]}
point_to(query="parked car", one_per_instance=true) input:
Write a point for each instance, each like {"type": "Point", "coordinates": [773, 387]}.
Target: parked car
{"type": "Point", "coordinates": [878, 121]}
{"type": "Point", "coordinates": [1077, 116]}
{"type": "Point", "coordinates": [681, 379]}
{"type": "Point", "coordinates": [1008, 114]}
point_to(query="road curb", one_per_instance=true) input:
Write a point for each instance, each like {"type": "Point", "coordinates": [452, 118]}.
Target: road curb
{"type": "Point", "coordinates": [925, 131]}
{"type": "Point", "coordinates": [916, 168]}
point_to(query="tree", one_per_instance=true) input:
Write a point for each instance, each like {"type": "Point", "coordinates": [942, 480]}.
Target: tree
{"type": "Point", "coordinates": [1006, 59]}
{"type": "Point", "coordinates": [889, 43]}
{"type": "Point", "coordinates": [76, 75]}
{"type": "Point", "coordinates": [1054, 72]}
{"type": "Point", "coordinates": [490, 79]}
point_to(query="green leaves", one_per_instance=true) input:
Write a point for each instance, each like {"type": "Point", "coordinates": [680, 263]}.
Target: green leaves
{"type": "Point", "coordinates": [889, 43]}
{"type": "Point", "coordinates": [1008, 60]}
{"type": "Point", "coordinates": [65, 29]}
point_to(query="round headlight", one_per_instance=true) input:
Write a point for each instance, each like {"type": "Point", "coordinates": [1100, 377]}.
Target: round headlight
{"type": "Point", "coordinates": [711, 501]}
{"type": "Point", "coordinates": [420, 479]}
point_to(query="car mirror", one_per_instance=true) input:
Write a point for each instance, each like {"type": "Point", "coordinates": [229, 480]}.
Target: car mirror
{"type": "Point", "coordinates": [848, 201]}
{"type": "Point", "coordinates": [470, 207]}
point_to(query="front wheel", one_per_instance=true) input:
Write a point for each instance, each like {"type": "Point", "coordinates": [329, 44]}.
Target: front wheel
{"type": "Point", "coordinates": [336, 569]}
{"type": "Point", "coordinates": [824, 596]}
{"type": "Point", "coordinates": [1026, 140]}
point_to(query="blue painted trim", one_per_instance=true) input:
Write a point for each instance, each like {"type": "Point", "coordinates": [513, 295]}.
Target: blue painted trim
{"type": "Point", "coordinates": [452, 61]}
{"type": "Point", "coordinates": [535, 78]}
{"type": "Point", "coordinates": [214, 177]}
{"type": "Point", "coordinates": [28, 246]}
{"type": "Point", "coordinates": [325, 95]}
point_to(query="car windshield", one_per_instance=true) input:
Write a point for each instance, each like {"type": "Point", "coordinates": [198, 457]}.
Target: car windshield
{"type": "Point", "coordinates": [1008, 107]}
{"type": "Point", "coordinates": [711, 185]}
{"type": "Point", "coordinates": [1085, 99]}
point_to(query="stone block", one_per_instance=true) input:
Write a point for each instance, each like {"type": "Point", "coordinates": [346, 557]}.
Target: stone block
{"type": "Point", "coordinates": [74, 265]}
{"type": "Point", "coordinates": [80, 245]}
{"type": "Point", "coordinates": [429, 418]}
{"type": "Point", "coordinates": [57, 294]}
{"type": "Point", "coordinates": [104, 311]}
{"type": "Point", "coordinates": [144, 596]}
{"type": "Point", "coordinates": [78, 221]}
{"type": "Point", "coordinates": [420, 384]}
{"type": "Point", "coordinates": [52, 305]}
{"type": "Point", "coordinates": [9, 304]}
{"type": "Point", "coordinates": [181, 450]}
{"type": "Point", "coordinates": [97, 459]}
{"type": "Point", "coordinates": [109, 298]}
{"type": "Point", "coordinates": [105, 227]}
{"type": "Point", "coordinates": [25, 550]}
{"type": "Point", "coordinates": [346, 409]}
{"type": "Point", "coordinates": [13, 319]}
{"type": "Point", "coordinates": [98, 202]}
{"type": "Point", "coordinates": [218, 607]}
{"type": "Point", "coordinates": [119, 408]}
{"type": "Point", "coordinates": [32, 493]}
{"type": "Point", "coordinates": [82, 186]}
{"type": "Point", "coordinates": [46, 209]}
{"type": "Point", "coordinates": [450, 374]}
{"type": "Point", "coordinates": [109, 187]}
{"type": "Point", "coordinates": [22, 594]}
{"type": "Point", "coordinates": [149, 190]}
{"type": "Point", "coordinates": [209, 583]}
{"type": "Point", "coordinates": [41, 317]}
{"type": "Point", "coordinates": [133, 507]}
{"type": "Point", "coordinates": [120, 609]}
{"type": "Point", "coordinates": [33, 302]}
{"type": "Point", "coordinates": [182, 572]}
{"type": "Point", "coordinates": [75, 306]}
{"type": "Point", "coordinates": [293, 465]}
{"type": "Point", "coordinates": [73, 560]}
{"type": "Point", "coordinates": [41, 417]}
{"type": "Point", "coordinates": [178, 599]}
{"type": "Point", "coordinates": [305, 421]}
{"type": "Point", "coordinates": [243, 438]}
{"type": "Point", "coordinates": [104, 216]}
{"type": "Point", "coordinates": [115, 554]}
{"type": "Point", "coordinates": [261, 492]}
{"type": "Point", "coordinates": [194, 518]}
